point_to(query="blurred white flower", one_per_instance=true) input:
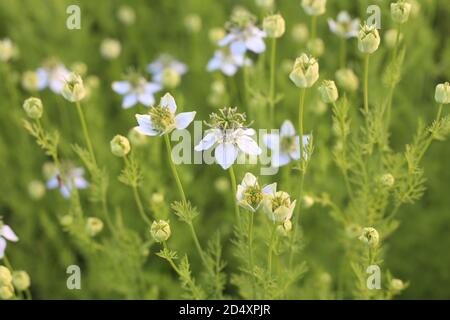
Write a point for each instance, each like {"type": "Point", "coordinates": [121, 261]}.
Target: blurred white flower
{"type": "Point", "coordinates": [242, 39]}
{"type": "Point", "coordinates": [52, 75]}
{"type": "Point", "coordinates": [286, 145]}
{"type": "Point", "coordinates": [74, 178]}
{"type": "Point", "coordinates": [126, 15]}
{"type": "Point", "coordinates": [136, 89]}
{"type": "Point", "coordinates": [32, 81]}
{"type": "Point", "coordinates": [228, 136]}
{"type": "Point", "coordinates": [110, 48]}
{"type": "Point", "coordinates": [226, 62]}
{"type": "Point", "coordinates": [162, 119]}
{"type": "Point", "coordinates": [165, 62]}
{"type": "Point", "coordinates": [6, 233]}
{"type": "Point", "coordinates": [344, 26]}
{"type": "Point", "coordinates": [6, 50]}
{"type": "Point", "coordinates": [314, 7]}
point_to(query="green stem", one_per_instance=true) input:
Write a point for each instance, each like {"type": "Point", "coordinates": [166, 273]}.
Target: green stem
{"type": "Point", "coordinates": [269, 253]}
{"type": "Point", "coordinates": [300, 120]}
{"type": "Point", "coordinates": [198, 246]}
{"type": "Point", "coordinates": [174, 169]}
{"type": "Point", "coordinates": [430, 138]}
{"type": "Point", "coordinates": [366, 83]}
{"type": "Point", "coordinates": [397, 42]}
{"type": "Point", "coordinates": [233, 191]}
{"type": "Point", "coordinates": [343, 53]}
{"type": "Point", "coordinates": [250, 249]}
{"type": "Point", "coordinates": [85, 132]}
{"type": "Point", "coordinates": [313, 27]}
{"type": "Point", "coordinates": [272, 82]}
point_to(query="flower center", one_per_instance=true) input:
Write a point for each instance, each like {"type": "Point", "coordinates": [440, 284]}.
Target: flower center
{"type": "Point", "coordinates": [279, 201]}
{"type": "Point", "coordinates": [162, 118]}
{"type": "Point", "coordinates": [288, 144]}
{"type": "Point", "coordinates": [253, 196]}
{"type": "Point", "coordinates": [227, 119]}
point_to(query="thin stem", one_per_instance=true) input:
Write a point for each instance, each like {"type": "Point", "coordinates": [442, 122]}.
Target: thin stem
{"type": "Point", "coordinates": [198, 246]}
{"type": "Point", "coordinates": [233, 195]}
{"type": "Point", "coordinates": [366, 83]}
{"type": "Point", "coordinates": [85, 132]}
{"type": "Point", "coordinates": [343, 53]}
{"type": "Point", "coordinates": [272, 82]}
{"type": "Point", "coordinates": [269, 253]}
{"type": "Point", "coordinates": [174, 169]}
{"type": "Point", "coordinates": [313, 27]}
{"type": "Point", "coordinates": [250, 251]}
{"type": "Point", "coordinates": [397, 42]}
{"type": "Point", "coordinates": [430, 138]}
{"type": "Point", "coordinates": [300, 120]}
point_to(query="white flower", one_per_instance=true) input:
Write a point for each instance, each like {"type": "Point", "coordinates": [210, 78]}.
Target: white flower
{"type": "Point", "coordinates": [278, 206]}
{"type": "Point", "coordinates": [52, 76]}
{"type": "Point", "coordinates": [229, 137]}
{"type": "Point", "coordinates": [314, 7]}
{"type": "Point", "coordinates": [110, 48]}
{"type": "Point", "coordinates": [34, 80]}
{"type": "Point", "coordinates": [242, 39]}
{"type": "Point", "coordinates": [249, 195]}
{"type": "Point", "coordinates": [165, 61]}
{"type": "Point", "coordinates": [6, 233]}
{"type": "Point", "coordinates": [226, 62]}
{"type": "Point", "coordinates": [135, 90]}
{"type": "Point", "coordinates": [344, 26]}
{"type": "Point", "coordinates": [74, 178]}
{"type": "Point", "coordinates": [286, 145]}
{"type": "Point", "coordinates": [162, 119]}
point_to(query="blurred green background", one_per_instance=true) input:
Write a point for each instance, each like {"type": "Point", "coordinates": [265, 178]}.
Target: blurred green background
{"type": "Point", "coordinates": [417, 252]}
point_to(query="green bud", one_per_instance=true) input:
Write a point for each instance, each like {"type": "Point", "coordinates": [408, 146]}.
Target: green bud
{"type": "Point", "coordinates": [120, 146]}
{"type": "Point", "coordinates": [347, 79]}
{"type": "Point", "coordinates": [93, 226]}
{"type": "Point", "coordinates": [110, 49]}
{"type": "Point", "coordinates": [36, 189]}
{"type": "Point", "coordinates": [397, 285]}
{"type": "Point", "coordinates": [387, 180]}
{"type": "Point", "coordinates": [316, 47]}
{"type": "Point", "coordinates": [33, 108]}
{"type": "Point", "coordinates": [328, 91]}
{"type": "Point", "coordinates": [400, 11]}
{"type": "Point", "coordinates": [368, 39]}
{"type": "Point", "coordinates": [370, 237]}
{"type": "Point", "coordinates": [305, 71]}
{"type": "Point", "coordinates": [274, 26]}
{"type": "Point", "coordinates": [442, 94]}
{"type": "Point", "coordinates": [160, 230]}
{"type": "Point", "coordinates": [6, 292]}
{"type": "Point", "coordinates": [21, 280]}
{"type": "Point", "coordinates": [216, 34]}
{"type": "Point", "coordinates": [5, 276]}
{"type": "Point", "coordinates": [74, 89]}
{"type": "Point", "coordinates": [314, 7]}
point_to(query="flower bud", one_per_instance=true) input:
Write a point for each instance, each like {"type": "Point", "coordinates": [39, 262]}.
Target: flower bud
{"type": "Point", "coordinates": [274, 26]}
{"type": "Point", "coordinates": [6, 50]}
{"type": "Point", "coordinates": [126, 15]}
{"type": "Point", "coordinates": [368, 39]}
{"type": "Point", "coordinates": [397, 285]}
{"type": "Point", "coordinates": [79, 68]}
{"type": "Point", "coordinates": [222, 184]}
{"type": "Point", "coordinates": [160, 230]}
{"type": "Point", "coordinates": [314, 7]}
{"type": "Point", "coordinates": [21, 280]}
{"type": "Point", "coordinates": [170, 78]}
{"type": "Point", "coordinates": [442, 94]}
{"type": "Point", "coordinates": [400, 11]}
{"type": "Point", "coordinates": [216, 34]}
{"type": "Point", "coordinates": [305, 71]}
{"type": "Point", "coordinates": [120, 146]}
{"type": "Point", "coordinates": [308, 201]}
{"type": "Point", "coordinates": [347, 79]}
{"type": "Point", "coordinates": [157, 198]}
{"type": "Point", "coordinates": [370, 237]}
{"type": "Point", "coordinates": [33, 108]}
{"type": "Point", "coordinates": [30, 81]}
{"type": "Point", "coordinates": [5, 276]}
{"type": "Point", "coordinates": [66, 220]}
{"type": "Point", "coordinates": [110, 49]}
{"type": "Point", "coordinates": [300, 33]}
{"type": "Point", "coordinates": [73, 89]}
{"type": "Point", "coordinates": [93, 226]}
{"type": "Point", "coordinates": [316, 47]}
{"type": "Point", "coordinates": [328, 91]}
{"type": "Point", "coordinates": [284, 229]}
{"type": "Point", "coordinates": [387, 180]}
{"type": "Point", "coordinates": [265, 4]}
{"type": "Point", "coordinates": [6, 292]}
{"type": "Point", "coordinates": [193, 23]}
{"type": "Point", "coordinates": [36, 189]}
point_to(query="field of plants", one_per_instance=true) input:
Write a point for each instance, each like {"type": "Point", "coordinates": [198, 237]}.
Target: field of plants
{"type": "Point", "coordinates": [232, 149]}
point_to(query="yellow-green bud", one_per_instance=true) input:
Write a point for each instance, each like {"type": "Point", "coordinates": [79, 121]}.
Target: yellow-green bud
{"type": "Point", "coordinates": [387, 180]}
{"type": "Point", "coordinates": [6, 50]}
{"type": "Point", "coordinates": [368, 39]}
{"type": "Point", "coordinates": [30, 81]}
{"type": "Point", "coordinates": [265, 4]}
{"type": "Point", "coordinates": [274, 26]}
{"type": "Point", "coordinates": [33, 108]}
{"type": "Point", "coordinates": [73, 89]}
{"type": "Point", "coordinates": [110, 49]}
{"type": "Point", "coordinates": [314, 7]}
{"type": "Point", "coordinates": [5, 276]}
{"type": "Point", "coordinates": [300, 33]}
{"type": "Point", "coordinates": [370, 237]}
{"type": "Point", "coordinates": [397, 285]}
{"type": "Point", "coordinates": [328, 91]}
{"type": "Point", "coordinates": [6, 292]}
{"type": "Point", "coordinates": [400, 11]}
{"type": "Point", "coordinates": [66, 220]}
{"type": "Point", "coordinates": [36, 189]}
{"type": "Point", "coordinates": [21, 280]}
{"type": "Point", "coordinates": [442, 94]}
{"type": "Point", "coordinates": [216, 34]}
{"type": "Point", "coordinates": [157, 198]}
{"type": "Point", "coordinates": [93, 226]}
{"type": "Point", "coordinates": [120, 146]}
{"type": "Point", "coordinates": [308, 201]}
{"type": "Point", "coordinates": [160, 230]}
{"type": "Point", "coordinates": [284, 228]}
{"type": "Point", "coordinates": [193, 23]}
{"type": "Point", "coordinates": [347, 79]}
{"type": "Point", "coordinates": [305, 71]}
{"type": "Point", "coordinates": [126, 15]}
{"type": "Point", "coordinates": [170, 78]}
{"type": "Point", "coordinates": [222, 184]}
{"type": "Point", "coordinates": [316, 47]}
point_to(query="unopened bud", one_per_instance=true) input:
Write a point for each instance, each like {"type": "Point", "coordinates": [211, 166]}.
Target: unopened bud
{"type": "Point", "coordinates": [442, 94]}
{"type": "Point", "coordinates": [21, 280]}
{"type": "Point", "coordinates": [93, 226]}
{"type": "Point", "coordinates": [160, 230]}
{"type": "Point", "coordinates": [370, 237]}
{"type": "Point", "coordinates": [73, 89]}
{"type": "Point", "coordinates": [347, 79]}
{"type": "Point", "coordinates": [33, 108]}
{"type": "Point", "coordinates": [368, 39]}
{"type": "Point", "coordinates": [274, 26]}
{"type": "Point", "coordinates": [400, 11]}
{"type": "Point", "coordinates": [328, 91]}
{"type": "Point", "coordinates": [120, 146]}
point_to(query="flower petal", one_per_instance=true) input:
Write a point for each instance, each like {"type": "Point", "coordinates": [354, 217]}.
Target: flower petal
{"type": "Point", "coordinates": [169, 102]}
{"type": "Point", "coordinates": [121, 87]}
{"type": "Point", "coordinates": [238, 48]}
{"type": "Point", "coordinates": [249, 179]}
{"type": "Point", "coordinates": [152, 87]}
{"type": "Point", "coordinates": [295, 154]}
{"type": "Point", "coordinates": [287, 129]}
{"type": "Point", "coordinates": [52, 183]}
{"type": "Point", "coordinates": [248, 145]}
{"type": "Point", "coordinates": [207, 142]}
{"type": "Point", "coordinates": [226, 154]}
{"type": "Point", "coordinates": [270, 188]}
{"type": "Point", "coordinates": [2, 247]}
{"type": "Point", "coordinates": [255, 44]}
{"type": "Point", "coordinates": [229, 69]}
{"type": "Point", "coordinates": [183, 119]}
{"type": "Point", "coordinates": [146, 99]}
{"type": "Point", "coordinates": [145, 125]}
{"type": "Point", "coordinates": [129, 100]}
{"type": "Point", "coordinates": [8, 234]}
{"type": "Point", "coordinates": [272, 141]}
{"type": "Point", "coordinates": [240, 193]}
{"type": "Point", "coordinates": [280, 159]}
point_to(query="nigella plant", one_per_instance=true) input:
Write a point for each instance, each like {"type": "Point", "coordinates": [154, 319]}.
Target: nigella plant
{"type": "Point", "coordinates": [72, 178]}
